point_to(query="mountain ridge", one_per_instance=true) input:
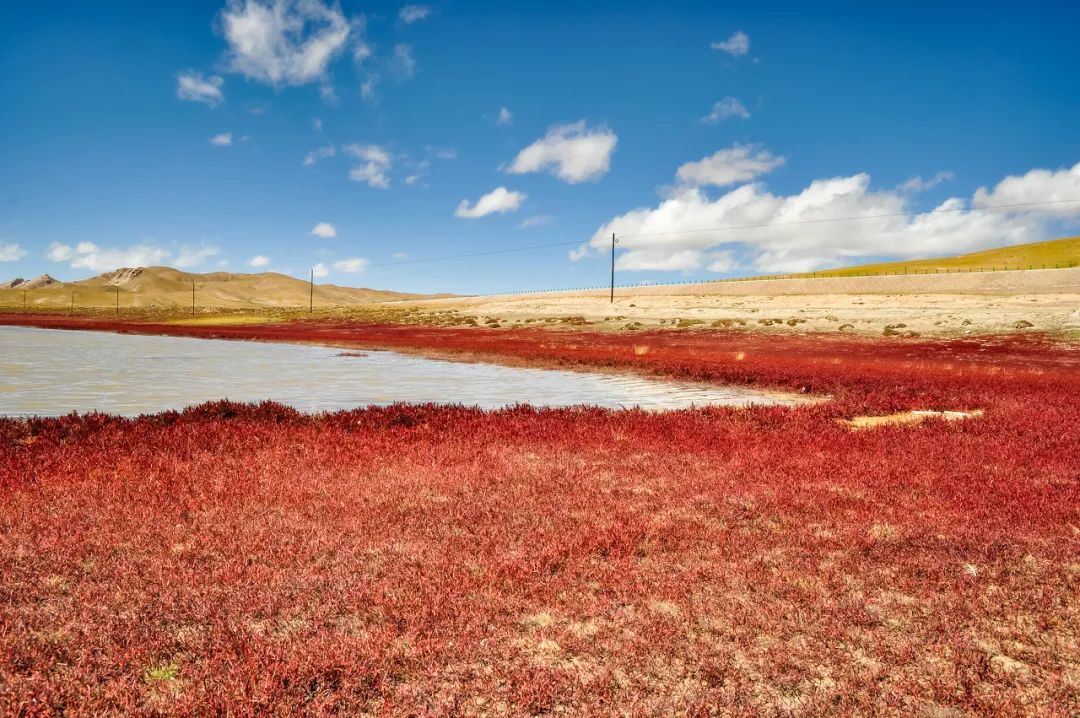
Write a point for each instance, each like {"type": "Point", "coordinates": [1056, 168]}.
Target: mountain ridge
{"type": "Point", "coordinates": [159, 286]}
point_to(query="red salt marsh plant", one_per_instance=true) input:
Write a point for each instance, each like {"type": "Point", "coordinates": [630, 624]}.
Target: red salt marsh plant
{"type": "Point", "coordinates": [428, 560]}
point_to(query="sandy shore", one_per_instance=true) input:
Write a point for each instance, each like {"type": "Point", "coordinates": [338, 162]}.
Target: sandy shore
{"type": "Point", "coordinates": [978, 303]}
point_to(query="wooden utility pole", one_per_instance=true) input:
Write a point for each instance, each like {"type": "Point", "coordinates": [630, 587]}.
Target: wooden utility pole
{"type": "Point", "coordinates": [193, 298]}
{"type": "Point", "coordinates": [613, 243]}
{"type": "Point", "coordinates": [311, 292]}
{"type": "Point", "coordinates": [72, 303]}
{"type": "Point", "coordinates": [118, 302]}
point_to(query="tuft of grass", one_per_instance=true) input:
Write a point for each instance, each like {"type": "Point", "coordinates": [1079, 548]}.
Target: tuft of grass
{"type": "Point", "coordinates": [160, 673]}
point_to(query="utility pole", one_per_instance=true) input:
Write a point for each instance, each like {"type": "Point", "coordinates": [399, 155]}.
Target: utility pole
{"type": "Point", "coordinates": [613, 243]}
{"type": "Point", "coordinates": [193, 297]}
{"type": "Point", "coordinates": [118, 302]}
{"type": "Point", "coordinates": [24, 300]}
{"type": "Point", "coordinates": [72, 302]}
{"type": "Point", "coordinates": [311, 293]}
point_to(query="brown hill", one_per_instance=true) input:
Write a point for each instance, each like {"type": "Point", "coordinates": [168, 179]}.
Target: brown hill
{"type": "Point", "coordinates": [164, 287]}
{"type": "Point", "coordinates": [21, 284]}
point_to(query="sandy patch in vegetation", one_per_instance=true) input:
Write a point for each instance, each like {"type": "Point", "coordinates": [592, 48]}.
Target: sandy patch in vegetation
{"type": "Point", "coordinates": [908, 417]}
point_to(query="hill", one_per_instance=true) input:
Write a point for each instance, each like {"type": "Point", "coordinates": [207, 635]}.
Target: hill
{"type": "Point", "coordinates": [165, 287]}
{"type": "Point", "coordinates": [1035, 255]}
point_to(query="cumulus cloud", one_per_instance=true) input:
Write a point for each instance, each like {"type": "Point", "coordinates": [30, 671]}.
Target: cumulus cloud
{"type": "Point", "coordinates": [918, 184]}
{"type": "Point", "coordinates": [352, 265]}
{"type": "Point", "coordinates": [87, 255]}
{"type": "Point", "coordinates": [737, 45]}
{"type": "Point", "coordinates": [726, 108]}
{"type": "Point", "coordinates": [259, 260]}
{"type": "Point", "coordinates": [499, 200]}
{"type": "Point", "coordinates": [739, 163]}
{"type": "Point", "coordinates": [413, 13]}
{"type": "Point", "coordinates": [573, 153]}
{"type": "Point", "coordinates": [320, 270]}
{"type": "Point", "coordinates": [222, 140]}
{"type": "Point", "coordinates": [319, 153]}
{"type": "Point", "coordinates": [832, 221]}
{"type": "Point", "coordinates": [374, 169]}
{"type": "Point", "coordinates": [11, 252]}
{"type": "Point", "coordinates": [324, 230]}
{"type": "Point", "coordinates": [506, 117]}
{"type": "Point", "coordinates": [1037, 186]}
{"type": "Point", "coordinates": [283, 42]}
{"type": "Point", "coordinates": [188, 256]}
{"type": "Point", "coordinates": [316, 124]}
{"type": "Point", "coordinates": [402, 62]}
{"type": "Point", "coordinates": [193, 86]}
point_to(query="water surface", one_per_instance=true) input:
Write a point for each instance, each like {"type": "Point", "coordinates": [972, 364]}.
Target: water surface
{"type": "Point", "coordinates": [50, 372]}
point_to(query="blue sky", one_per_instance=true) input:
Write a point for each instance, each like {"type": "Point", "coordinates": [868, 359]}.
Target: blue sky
{"type": "Point", "coordinates": [465, 127]}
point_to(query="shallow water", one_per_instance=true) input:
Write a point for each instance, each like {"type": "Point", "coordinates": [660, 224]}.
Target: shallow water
{"type": "Point", "coordinates": [48, 372]}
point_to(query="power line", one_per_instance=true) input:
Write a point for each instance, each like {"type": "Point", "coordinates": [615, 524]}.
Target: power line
{"type": "Point", "coordinates": [510, 250]}
{"type": "Point", "coordinates": [476, 254]}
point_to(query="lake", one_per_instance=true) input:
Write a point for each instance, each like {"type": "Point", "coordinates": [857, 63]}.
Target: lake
{"type": "Point", "coordinates": [49, 372]}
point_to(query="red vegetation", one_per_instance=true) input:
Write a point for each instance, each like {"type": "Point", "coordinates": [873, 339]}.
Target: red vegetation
{"type": "Point", "coordinates": [430, 560]}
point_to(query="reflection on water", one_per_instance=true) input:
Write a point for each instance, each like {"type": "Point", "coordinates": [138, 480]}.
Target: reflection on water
{"type": "Point", "coordinates": [53, 372]}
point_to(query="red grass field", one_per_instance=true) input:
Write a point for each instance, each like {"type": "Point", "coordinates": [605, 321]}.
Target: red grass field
{"type": "Point", "coordinates": [431, 560]}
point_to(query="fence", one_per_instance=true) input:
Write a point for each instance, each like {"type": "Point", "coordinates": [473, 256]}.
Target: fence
{"type": "Point", "coordinates": [827, 274]}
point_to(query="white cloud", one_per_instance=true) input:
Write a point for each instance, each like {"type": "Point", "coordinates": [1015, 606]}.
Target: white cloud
{"type": "Point", "coordinates": [444, 153]}
{"type": "Point", "coordinates": [361, 49]}
{"type": "Point", "coordinates": [678, 260]}
{"type": "Point", "coordinates": [736, 45]}
{"type": "Point", "coordinates": [918, 184]}
{"type": "Point", "coordinates": [413, 13]}
{"type": "Point", "coordinates": [283, 42]}
{"type": "Point", "coordinates": [328, 94]}
{"type": "Point", "coordinates": [725, 108]}
{"type": "Point", "coordinates": [739, 163]}
{"type": "Point", "coordinates": [316, 124]}
{"type": "Point", "coordinates": [402, 63]}
{"type": "Point", "coordinates": [259, 260]}
{"type": "Point", "coordinates": [1037, 186]}
{"type": "Point", "coordinates": [367, 88]}
{"type": "Point", "coordinates": [11, 252]}
{"type": "Point", "coordinates": [814, 228]}
{"type": "Point", "coordinates": [87, 255]}
{"type": "Point", "coordinates": [722, 262]}
{"type": "Point", "coordinates": [193, 86]}
{"type": "Point", "coordinates": [352, 265]}
{"type": "Point", "coordinates": [324, 230]}
{"type": "Point", "coordinates": [375, 168]}
{"type": "Point", "coordinates": [573, 152]}
{"type": "Point", "coordinates": [222, 140]}
{"type": "Point", "coordinates": [319, 153]}
{"type": "Point", "coordinates": [320, 270]}
{"type": "Point", "coordinates": [400, 255]}
{"type": "Point", "coordinates": [361, 52]}
{"type": "Point", "coordinates": [538, 220]}
{"type": "Point", "coordinates": [188, 256]}
{"type": "Point", "coordinates": [505, 117]}
{"type": "Point", "coordinates": [499, 200]}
